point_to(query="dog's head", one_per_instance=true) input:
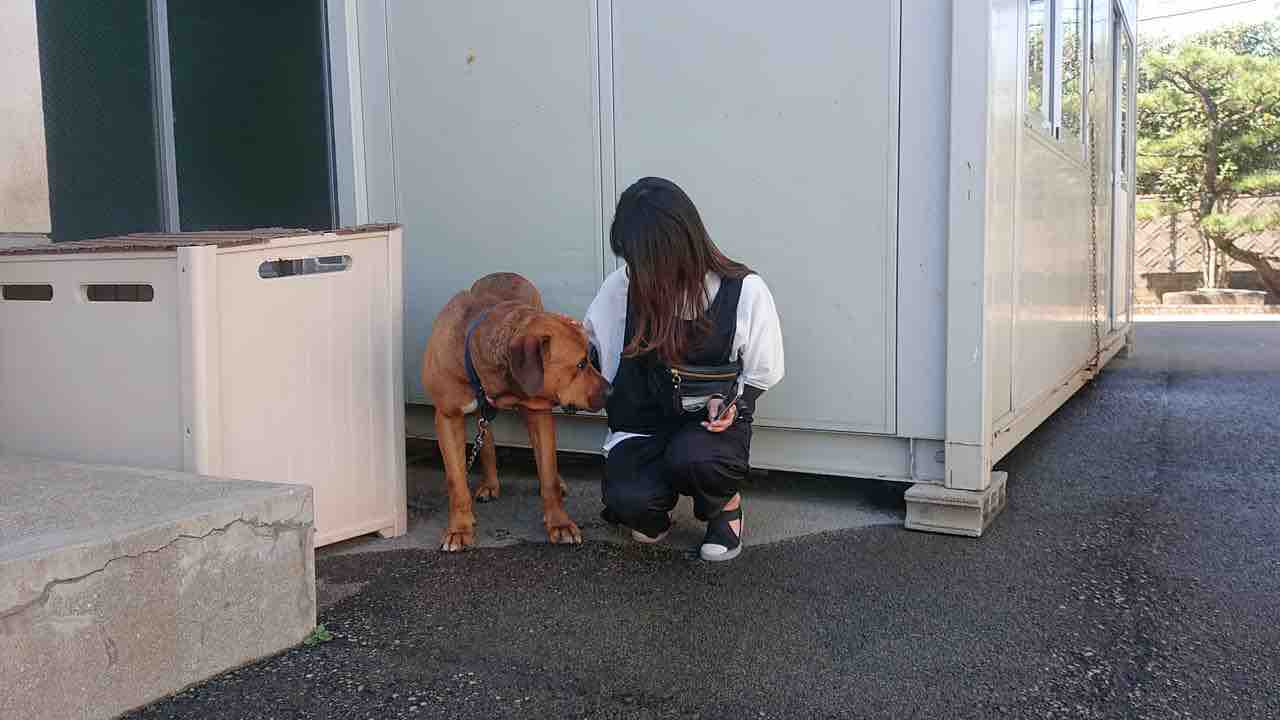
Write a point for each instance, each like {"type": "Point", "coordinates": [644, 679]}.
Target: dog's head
{"type": "Point", "coordinates": [550, 360]}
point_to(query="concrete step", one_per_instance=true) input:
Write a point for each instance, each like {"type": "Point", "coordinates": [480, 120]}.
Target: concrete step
{"type": "Point", "coordinates": [119, 586]}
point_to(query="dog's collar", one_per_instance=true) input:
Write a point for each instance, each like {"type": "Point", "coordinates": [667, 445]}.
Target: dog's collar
{"type": "Point", "coordinates": [486, 408]}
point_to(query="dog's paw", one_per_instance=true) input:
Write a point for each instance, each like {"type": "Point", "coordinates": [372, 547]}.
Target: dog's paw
{"type": "Point", "coordinates": [454, 540]}
{"type": "Point", "coordinates": [487, 493]}
{"type": "Point", "coordinates": [563, 532]}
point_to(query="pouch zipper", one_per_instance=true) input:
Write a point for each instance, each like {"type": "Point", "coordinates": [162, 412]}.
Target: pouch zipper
{"type": "Point", "coordinates": [678, 374]}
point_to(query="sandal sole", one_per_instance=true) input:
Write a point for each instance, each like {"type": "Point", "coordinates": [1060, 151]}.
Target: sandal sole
{"type": "Point", "coordinates": [646, 540]}
{"type": "Point", "coordinates": [721, 557]}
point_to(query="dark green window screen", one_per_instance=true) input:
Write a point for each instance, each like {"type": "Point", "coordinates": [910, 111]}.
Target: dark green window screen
{"type": "Point", "coordinates": [250, 107]}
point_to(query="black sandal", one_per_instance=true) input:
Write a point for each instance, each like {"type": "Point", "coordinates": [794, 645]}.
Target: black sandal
{"type": "Point", "coordinates": [721, 543]}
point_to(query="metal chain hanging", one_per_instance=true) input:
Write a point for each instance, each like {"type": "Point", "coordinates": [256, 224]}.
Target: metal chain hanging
{"type": "Point", "coordinates": [1096, 360]}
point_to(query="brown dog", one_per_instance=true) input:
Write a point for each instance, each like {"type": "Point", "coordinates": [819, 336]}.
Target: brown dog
{"type": "Point", "coordinates": [526, 358]}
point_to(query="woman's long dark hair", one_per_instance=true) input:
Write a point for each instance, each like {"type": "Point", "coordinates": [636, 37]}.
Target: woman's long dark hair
{"type": "Point", "coordinates": [658, 231]}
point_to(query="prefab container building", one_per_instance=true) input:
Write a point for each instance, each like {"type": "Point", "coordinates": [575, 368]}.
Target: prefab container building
{"type": "Point", "coordinates": [936, 191]}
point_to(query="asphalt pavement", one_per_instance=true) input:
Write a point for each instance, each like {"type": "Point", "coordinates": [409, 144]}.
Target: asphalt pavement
{"type": "Point", "coordinates": [1135, 573]}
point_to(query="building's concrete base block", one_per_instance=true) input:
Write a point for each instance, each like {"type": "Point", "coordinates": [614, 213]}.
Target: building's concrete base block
{"type": "Point", "coordinates": [121, 586]}
{"type": "Point", "coordinates": [1130, 345]}
{"type": "Point", "coordinates": [932, 508]}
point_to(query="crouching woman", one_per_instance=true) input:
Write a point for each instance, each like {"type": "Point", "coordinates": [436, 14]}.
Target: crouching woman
{"type": "Point", "coordinates": [690, 340]}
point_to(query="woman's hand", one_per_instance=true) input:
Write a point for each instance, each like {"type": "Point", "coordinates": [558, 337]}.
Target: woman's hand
{"type": "Point", "coordinates": [713, 408]}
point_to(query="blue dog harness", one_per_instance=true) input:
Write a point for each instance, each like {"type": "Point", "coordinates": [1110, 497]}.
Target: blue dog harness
{"type": "Point", "coordinates": [486, 409]}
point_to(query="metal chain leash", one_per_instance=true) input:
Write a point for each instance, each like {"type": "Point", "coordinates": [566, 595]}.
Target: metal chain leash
{"type": "Point", "coordinates": [476, 445]}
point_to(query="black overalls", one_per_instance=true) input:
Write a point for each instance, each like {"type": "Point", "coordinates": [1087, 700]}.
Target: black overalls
{"type": "Point", "coordinates": [645, 476]}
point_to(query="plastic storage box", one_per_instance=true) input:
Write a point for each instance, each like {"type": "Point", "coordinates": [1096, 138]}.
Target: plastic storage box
{"type": "Point", "coordinates": [264, 355]}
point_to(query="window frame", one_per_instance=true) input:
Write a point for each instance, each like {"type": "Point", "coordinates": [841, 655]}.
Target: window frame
{"type": "Point", "coordinates": [1048, 120]}
{"type": "Point", "coordinates": [1125, 98]}
{"type": "Point", "coordinates": [1039, 118]}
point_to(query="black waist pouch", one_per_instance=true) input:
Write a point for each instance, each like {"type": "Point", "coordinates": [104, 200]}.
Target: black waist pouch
{"type": "Point", "coordinates": [688, 387]}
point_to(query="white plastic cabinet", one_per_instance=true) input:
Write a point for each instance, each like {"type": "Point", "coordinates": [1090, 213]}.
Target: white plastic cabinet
{"type": "Point", "coordinates": [269, 356]}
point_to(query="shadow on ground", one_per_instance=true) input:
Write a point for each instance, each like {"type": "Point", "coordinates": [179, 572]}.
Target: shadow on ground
{"type": "Point", "coordinates": [779, 506]}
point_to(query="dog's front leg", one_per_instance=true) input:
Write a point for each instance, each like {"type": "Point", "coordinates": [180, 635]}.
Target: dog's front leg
{"type": "Point", "coordinates": [451, 433]}
{"type": "Point", "coordinates": [542, 437]}
{"type": "Point", "coordinates": [533, 443]}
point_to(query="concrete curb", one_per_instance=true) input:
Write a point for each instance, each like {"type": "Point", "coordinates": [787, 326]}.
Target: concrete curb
{"type": "Point", "coordinates": [120, 586]}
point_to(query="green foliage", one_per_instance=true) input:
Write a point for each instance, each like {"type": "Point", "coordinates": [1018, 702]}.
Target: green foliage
{"type": "Point", "coordinates": [319, 635]}
{"type": "Point", "coordinates": [1073, 69]}
{"type": "Point", "coordinates": [1209, 113]}
{"type": "Point", "coordinates": [1147, 210]}
{"type": "Point", "coordinates": [1225, 229]}
{"type": "Point", "coordinates": [1257, 39]}
{"type": "Point", "coordinates": [1209, 134]}
{"type": "Point", "coordinates": [1260, 184]}
{"type": "Point", "coordinates": [1036, 60]}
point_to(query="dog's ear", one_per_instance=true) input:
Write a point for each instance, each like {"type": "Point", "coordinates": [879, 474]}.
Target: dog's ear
{"type": "Point", "coordinates": [527, 352]}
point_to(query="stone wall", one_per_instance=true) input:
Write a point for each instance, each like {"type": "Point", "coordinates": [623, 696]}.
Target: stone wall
{"type": "Point", "coordinates": [1168, 255]}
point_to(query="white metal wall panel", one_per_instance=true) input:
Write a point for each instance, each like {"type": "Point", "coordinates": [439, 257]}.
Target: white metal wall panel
{"type": "Point", "coordinates": [94, 382]}
{"type": "Point", "coordinates": [922, 220]}
{"type": "Point", "coordinates": [1045, 358]}
{"type": "Point", "coordinates": [886, 457]}
{"type": "Point", "coordinates": [781, 122]}
{"type": "Point", "coordinates": [970, 170]}
{"type": "Point", "coordinates": [376, 157]}
{"type": "Point", "coordinates": [1052, 335]}
{"type": "Point", "coordinates": [1006, 121]}
{"type": "Point", "coordinates": [496, 152]}
{"type": "Point", "coordinates": [24, 169]}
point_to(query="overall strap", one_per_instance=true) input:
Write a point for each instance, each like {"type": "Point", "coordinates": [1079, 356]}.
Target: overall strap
{"type": "Point", "coordinates": [723, 315]}
{"type": "Point", "coordinates": [726, 300]}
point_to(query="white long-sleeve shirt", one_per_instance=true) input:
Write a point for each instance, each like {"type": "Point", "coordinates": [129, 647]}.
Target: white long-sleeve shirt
{"type": "Point", "coordinates": [757, 339]}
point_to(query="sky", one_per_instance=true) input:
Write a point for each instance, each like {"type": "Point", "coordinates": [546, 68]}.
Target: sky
{"type": "Point", "coordinates": [1200, 14]}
